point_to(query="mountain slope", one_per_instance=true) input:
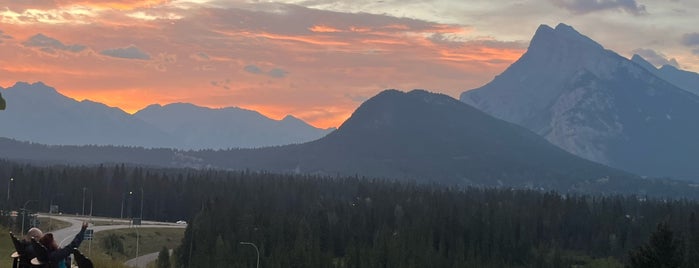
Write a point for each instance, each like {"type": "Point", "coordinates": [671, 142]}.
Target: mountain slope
{"type": "Point", "coordinates": [407, 136]}
{"type": "Point", "coordinates": [683, 79]}
{"type": "Point", "coordinates": [597, 105]}
{"type": "Point", "coordinates": [39, 114]}
{"type": "Point", "coordinates": [205, 128]}
{"type": "Point", "coordinates": [426, 137]}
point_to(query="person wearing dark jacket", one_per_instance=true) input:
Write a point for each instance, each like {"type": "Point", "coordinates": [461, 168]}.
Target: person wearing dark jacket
{"type": "Point", "coordinates": [58, 257]}
{"type": "Point", "coordinates": [29, 253]}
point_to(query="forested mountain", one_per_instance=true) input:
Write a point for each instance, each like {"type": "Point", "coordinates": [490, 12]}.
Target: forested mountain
{"type": "Point", "coordinates": [427, 137]}
{"type": "Point", "coordinates": [415, 136]}
{"type": "Point", "coordinates": [38, 113]}
{"type": "Point", "coordinates": [596, 104]}
{"type": "Point", "coordinates": [312, 221]}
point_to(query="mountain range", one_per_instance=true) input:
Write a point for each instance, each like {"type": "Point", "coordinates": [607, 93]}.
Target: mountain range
{"type": "Point", "coordinates": [683, 79]}
{"type": "Point", "coordinates": [415, 136]}
{"type": "Point", "coordinates": [38, 113]}
{"type": "Point", "coordinates": [597, 104]}
{"type": "Point", "coordinates": [427, 137]}
{"type": "Point", "coordinates": [568, 115]}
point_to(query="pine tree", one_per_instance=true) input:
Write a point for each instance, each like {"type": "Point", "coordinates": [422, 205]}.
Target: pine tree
{"type": "Point", "coordinates": [662, 251]}
{"type": "Point", "coordinates": [2, 102]}
{"type": "Point", "coordinates": [163, 260]}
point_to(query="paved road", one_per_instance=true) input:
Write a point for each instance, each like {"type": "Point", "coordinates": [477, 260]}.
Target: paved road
{"type": "Point", "coordinates": [65, 235]}
{"type": "Point", "coordinates": [143, 260]}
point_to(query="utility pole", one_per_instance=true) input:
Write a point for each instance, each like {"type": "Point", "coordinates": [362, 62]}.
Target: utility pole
{"type": "Point", "coordinates": [123, 199]}
{"type": "Point", "coordinates": [137, 236]}
{"type": "Point", "coordinates": [24, 212]}
{"type": "Point", "coordinates": [84, 188]}
{"type": "Point", "coordinates": [9, 185]}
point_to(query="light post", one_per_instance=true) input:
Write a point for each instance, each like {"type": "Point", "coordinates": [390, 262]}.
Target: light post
{"type": "Point", "coordinates": [24, 212]}
{"type": "Point", "coordinates": [141, 203]}
{"type": "Point", "coordinates": [123, 199]}
{"type": "Point", "coordinates": [9, 184]}
{"type": "Point", "coordinates": [51, 210]}
{"type": "Point", "coordinates": [84, 188]}
{"type": "Point", "coordinates": [137, 235]}
{"type": "Point", "coordinates": [256, 250]}
{"type": "Point", "coordinates": [129, 212]}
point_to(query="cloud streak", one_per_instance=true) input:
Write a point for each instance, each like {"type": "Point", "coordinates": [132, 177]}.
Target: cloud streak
{"type": "Point", "coordinates": [656, 58]}
{"type": "Point", "coordinates": [315, 63]}
{"type": "Point", "coordinates": [690, 39]}
{"type": "Point", "coordinates": [51, 45]}
{"type": "Point", "coordinates": [130, 52]}
{"type": "Point", "coordinates": [589, 6]}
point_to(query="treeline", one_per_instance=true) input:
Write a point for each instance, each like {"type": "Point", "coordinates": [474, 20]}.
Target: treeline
{"type": "Point", "coordinates": [310, 221]}
{"type": "Point", "coordinates": [112, 190]}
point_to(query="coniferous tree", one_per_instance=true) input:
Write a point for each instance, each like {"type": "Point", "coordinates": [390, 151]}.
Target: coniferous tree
{"type": "Point", "coordinates": [663, 250]}
{"type": "Point", "coordinates": [163, 260]}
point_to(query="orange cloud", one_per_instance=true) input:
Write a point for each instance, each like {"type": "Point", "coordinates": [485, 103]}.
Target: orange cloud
{"type": "Point", "coordinates": [333, 60]}
{"type": "Point", "coordinates": [113, 4]}
{"type": "Point", "coordinates": [324, 29]}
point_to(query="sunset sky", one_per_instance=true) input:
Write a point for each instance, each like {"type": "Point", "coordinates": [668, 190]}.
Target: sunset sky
{"type": "Point", "coordinates": [315, 59]}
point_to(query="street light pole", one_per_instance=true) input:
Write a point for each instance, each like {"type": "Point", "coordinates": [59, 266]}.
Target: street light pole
{"type": "Point", "coordinates": [137, 236]}
{"type": "Point", "coordinates": [256, 250]}
{"type": "Point", "coordinates": [9, 184]}
{"type": "Point", "coordinates": [24, 212]}
{"type": "Point", "coordinates": [141, 203]}
{"type": "Point", "coordinates": [123, 199]}
{"type": "Point", "coordinates": [129, 209]}
{"type": "Point", "coordinates": [84, 188]}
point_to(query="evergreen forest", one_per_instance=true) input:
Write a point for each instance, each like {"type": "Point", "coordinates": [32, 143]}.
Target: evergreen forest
{"type": "Point", "coordinates": [312, 221]}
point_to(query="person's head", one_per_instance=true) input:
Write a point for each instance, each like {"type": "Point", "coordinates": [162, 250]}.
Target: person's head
{"type": "Point", "coordinates": [34, 233]}
{"type": "Point", "coordinates": [48, 242]}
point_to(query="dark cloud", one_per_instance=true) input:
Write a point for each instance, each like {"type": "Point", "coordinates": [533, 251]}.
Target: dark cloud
{"type": "Point", "coordinates": [450, 41]}
{"type": "Point", "coordinates": [225, 84]}
{"type": "Point", "coordinates": [588, 6]}
{"type": "Point", "coordinates": [252, 69]}
{"type": "Point", "coordinates": [50, 45]}
{"type": "Point", "coordinates": [200, 56]}
{"type": "Point", "coordinates": [130, 52]}
{"type": "Point", "coordinates": [289, 19]}
{"type": "Point", "coordinates": [277, 73]}
{"type": "Point", "coordinates": [655, 58]}
{"type": "Point", "coordinates": [690, 39]}
{"type": "Point", "coordinates": [4, 36]}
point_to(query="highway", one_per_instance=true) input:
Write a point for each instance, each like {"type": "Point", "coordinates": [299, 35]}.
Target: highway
{"type": "Point", "coordinates": [65, 235]}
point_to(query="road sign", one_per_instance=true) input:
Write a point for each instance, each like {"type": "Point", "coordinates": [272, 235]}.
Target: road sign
{"type": "Point", "coordinates": [89, 233]}
{"type": "Point", "coordinates": [136, 221]}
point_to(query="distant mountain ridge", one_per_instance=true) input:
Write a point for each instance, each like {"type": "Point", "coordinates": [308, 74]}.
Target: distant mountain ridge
{"type": "Point", "coordinates": [204, 128]}
{"type": "Point", "coordinates": [417, 136]}
{"type": "Point", "coordinates": [38, 113]}
{"type": "Point", "coordinates": [683, 79]}
{"type": "Point", "coordinates": [596, 104]}
{"type": "Point", "coordinates": [426, 137]}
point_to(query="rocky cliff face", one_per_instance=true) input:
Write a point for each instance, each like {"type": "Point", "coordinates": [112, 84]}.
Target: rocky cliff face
{"type": "Point", "coordinates": [596, 104]}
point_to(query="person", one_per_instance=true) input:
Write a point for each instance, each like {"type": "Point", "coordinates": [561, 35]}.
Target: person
{"type": "Point", "coordinates": [26, 243]}
{"type": "Point", "coordinates": [58, 257]}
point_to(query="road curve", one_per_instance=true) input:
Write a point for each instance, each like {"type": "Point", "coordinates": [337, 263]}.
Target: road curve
{"type": "Point", "coordinates": [65, 235]}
